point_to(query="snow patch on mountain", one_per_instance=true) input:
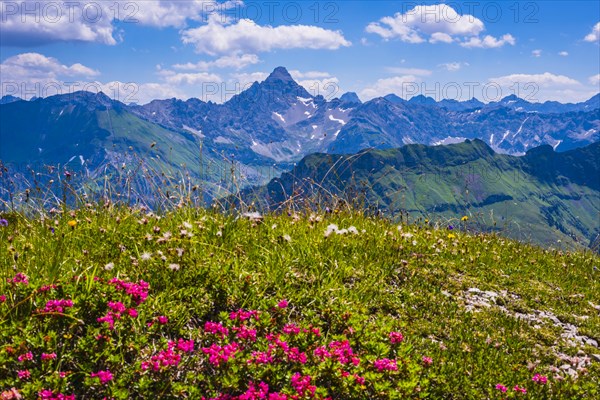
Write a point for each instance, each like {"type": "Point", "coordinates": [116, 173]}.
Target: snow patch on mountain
{"type": "Point", "coordinates": [307, 101]}
{"type": "Point", "coordinates": [223, 140]}
{"type": "Point", "coordinates": [279, 116]}
{"type": "Point", "coordinates": [341, 121]}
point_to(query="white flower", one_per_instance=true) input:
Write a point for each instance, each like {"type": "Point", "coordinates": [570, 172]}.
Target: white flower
{"type": "Point", "coordinates": [146, 256]}
{"type": "Point", "coordinates": [407, 235]}
{"type": "Point", "coordinates": [187, 225]}
{"type": "Point", "coordinates": [109, 266]}
{"type": "Point", "coordinates": [287, 238]}
{"type": "Point", "coordinates": [353, 230]}
{"type": "Point", "coordinates": [332, 228]}
{"type": "Point", "coordinates": [342, 231]}
{"type": "Point", "coordinates": [219, 233]}
{"type": "Point", "coordinates": [274, 226]}
{"type": "Point", "coordinates": [400, 228]}
{"type": "Point", "coordinates": [174, 267]}
{"type": "Point", "coordinates": [414, 242]}
{"type": "Point", "coordinates": [179, 252]}
{"type": "Point", "coordinates": [253, 216]}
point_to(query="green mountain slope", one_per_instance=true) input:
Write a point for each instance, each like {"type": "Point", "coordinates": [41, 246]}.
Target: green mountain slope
{"type": "Point", "coordinates": [544, 196]}
{"type": "Point", "coordinates": [99, 140]}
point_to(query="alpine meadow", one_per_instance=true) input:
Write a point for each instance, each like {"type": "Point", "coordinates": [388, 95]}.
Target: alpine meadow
{"type": "Point", "coordinates": [244, 200]}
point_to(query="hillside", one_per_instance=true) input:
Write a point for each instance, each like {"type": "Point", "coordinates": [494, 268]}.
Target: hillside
{"type": "Point", "coordinates": [100, 142]}
{"type": "Point", "coordinates": [124, 303]}
{"type": "Point", "coordinates": [543, 197]}
{"type": "Point", "coordinates": [265, 129]}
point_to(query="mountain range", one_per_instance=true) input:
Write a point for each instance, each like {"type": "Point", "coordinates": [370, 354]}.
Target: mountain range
{"type": "Point", "coordinates": [266, 129]}
{"type": "Point", "coordinates": [544, 196]}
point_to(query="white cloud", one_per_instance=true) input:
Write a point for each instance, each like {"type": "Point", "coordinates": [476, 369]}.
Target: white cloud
{"type": "Point", "coordinates": [217, 37]}
{"type": "Point", "coordinates": [438, 23]}
{"type": "Point", "coordinates": [594, 79]}
{"type": "Point", "coordinates": [540, 87]}
{"type": "Point", "coordinates": [137, 93]}
{"type": "Point", "coordinates": [231, 61]}
{"type": "Point", "coordinates": [409, 71]}
{"type": "Point", "coordinates": [563, 53]}
{"type": "Point", "coordinates": [398, 85]}
{"type": "Point", "coordinates": [248, 78]}
{"type": "Point", "coordinates": [309, 74]}
{"type": "Point", "coordinates": [193, 78]}
{"type": "Point", "coordinates": [30, 23]}
{"type": "Point", "coordinates": [440, 37]}
{"type": "Point", "coordinates": [536, 53]}
{"type": "Point", "coordinates": [489, 42]}
{"type": "Point", "coordinates": [546, 79]}
{"type": "Point", "coordinates": [453, 66]}
{"type": "Point", "coordinates": [594, 35]}
{"type": "Point", "coordinates": [35, 22]}
{"type": "Point", "coordinates": [35, 67]}
{"type": "Point", "coordinates": [33, 74]}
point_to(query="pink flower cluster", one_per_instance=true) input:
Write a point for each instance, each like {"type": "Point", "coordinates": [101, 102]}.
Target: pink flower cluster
{"type": "Point", "coordinates": [501, 388]}
{"type": "Point", "coordinates": [520, 389]}
{"type": "Point", "coordinates": [340, 351]}
{"type": "Point", "coordinates": [117, 306]}
{"type": "Point", "coordinates": [291, 329]}
{"type": "Point", "coordinates": [47, 288]}
{"type": "Point", "coordinates": [261, 357]}
{"type": "Point", "coordinates": [25, 357]}
{"type": "Point", "coordinates": [254, 392]}
{"type": "Point", "coordinates": [103, 376]}
{"type": "Point", "coordinates": [2, 298]}
{"type": "Point", "coordinates": [302, 384]}
{"type": "Point", "coordinates": [541, 379]}
{"type": "Point", "coordinates": [283, 303]}
{"type": "Point", "coordinates": [385, 364]}
{"type": "Point", "coordinates": [24, 374]}
{"type": "Point", "coordinates": [137, 291]}
{"type": "Point", "coordinates": [295, 355]}
{"type": "Point", "coordinates": [218, 354]}
{"type": "Point", "coordinates": [216, 328]}
{"type": "Point", "coordinates": [243, 315]}
{"type": "Point", "coordinates": [427, 361]}
{"type": "Point", "coordinates": [19, 278]}
{"type": "Point", "coordinates": [245, 333]}
{"type": "Point", "coordinates": [48, 356]}
{"type": "Point", "coordinates": [57, 306]}
{"type": "Point", "coordinates": [164, 359]}
{"type": "Point", "coordinates": [117, 309]}
{"type": "Point", "coordinates": [47, 394]}
{"type": "Point", "coordinates": [396, 337]}
{"type": "Point", "coordinates": [186, 346]}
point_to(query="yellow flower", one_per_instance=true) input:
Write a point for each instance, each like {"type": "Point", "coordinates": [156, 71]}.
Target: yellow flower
{"type": "Point", "coordinates": [426, 221]}
{"type": "Point", "coordinates": [465, 218]}
{"type": "Point", "coordinates": [72, 223]}
{"type": "Point", "coordinates": [451, 236]}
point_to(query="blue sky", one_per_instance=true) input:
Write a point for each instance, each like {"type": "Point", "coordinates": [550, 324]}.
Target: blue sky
{"type": "Point", "coordinates": [141, 50]}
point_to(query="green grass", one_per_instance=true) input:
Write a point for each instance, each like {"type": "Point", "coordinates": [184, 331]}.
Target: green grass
{"type": "Point", "coordinates": [358, 287]}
